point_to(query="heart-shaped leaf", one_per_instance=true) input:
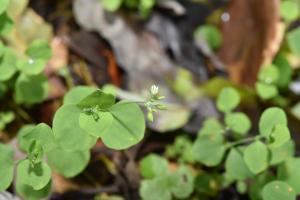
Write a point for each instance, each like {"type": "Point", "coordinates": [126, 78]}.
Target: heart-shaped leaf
{"type": "Point", "coordinates": [256, 157]}
{"type": "Point", "coordinates": [127, 128]}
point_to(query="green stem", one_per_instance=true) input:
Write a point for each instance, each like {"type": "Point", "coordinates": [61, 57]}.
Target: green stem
{"type": "Point", "coordinates": [243, 141]}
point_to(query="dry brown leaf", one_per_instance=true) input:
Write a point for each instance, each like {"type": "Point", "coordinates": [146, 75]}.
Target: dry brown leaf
{"type": "Point", "coordinates": [252, 37]}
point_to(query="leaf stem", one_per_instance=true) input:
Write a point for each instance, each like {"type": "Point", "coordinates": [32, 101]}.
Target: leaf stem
{"type": "Point", "coordinates": [243, 141]}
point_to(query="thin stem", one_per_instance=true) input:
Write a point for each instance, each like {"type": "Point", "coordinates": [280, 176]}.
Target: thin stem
{"type": "Point", "coordinates": [243, 141]}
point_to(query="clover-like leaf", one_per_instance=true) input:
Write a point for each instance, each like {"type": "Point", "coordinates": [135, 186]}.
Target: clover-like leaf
{"type": "Point", "coordinates": [37, 176]}
{"type": "Point", "coordinates": [256, 186]}
{"type": "Point", "coordinates": [279, 135]}
{"type": "Point", "coordinates": [209, 149]}
{"type": "Point", "coordinates": [43, 134]}
{"type": "Point", "coordinates": [6, 24]}
{"type": "Point", "coordinates": [236, 167]}
{"type": "Point", "coordinates": [293, 39]}
{"type": "Point", "coordinates": [289, 10]}
{"type": "Point", "coordinates": [238, 122]}
{"type": "Point", "coordinates": [278, 190]}
{"type": "Point", "coordinates": [127, 128]}
{"type": "Point", "coordinates": [67, 131]}
{"type": "Point", "coordinates": [268, 74]}
{"type": "Point", "coordinates": [282, 153]}
{"type": "Point", "coordinates": [95, 127]}
{"type": "Point", "coordinates": [28, 192]}
{"type": "Point", "coordinates": [157, 188]}
{"type": "Point", "coordinates": [68, 163]}
{"type": "Point", "coordinates": [24, 143]}
{"type": "Point", "coordinates": [97, 98]}
{"type": "Point", "coordinates": [228, 99]}
{"type": "Point", "coordinates": [289, 173]}
{"type": "Point", "coordinates": [3, 5]}
{"type": "Point", "coordinates": [31, 66]}
{"type": "Point", "coordinates": [76, 94]}
{"type": "Point", "coordinates": [210, 34]}
{"type": "Point", "coordinates": [39, 49]}
{"type": "Point", "coordinates": [269, 119]}
{"type": "Point", "coordinates": [31, 89]}
{"type": "Point", "coordinates": [266, 91]}
{"type": "Point", "coordinates": [285, 70]}
{"type": "Point", "coordinates": [182, 183]}
{"type": "Point", "coordinates": [7, 65]}
{"type": "Point", "coordinates": [153, 165]}
{"type": "Point", "coordinates": [6, 166]}
{"type": "Point", "coordinates": [256, 157]}
{"type": "Point", "coordinates": [35, 152]}
{"type": "Point", "coordinates": [210, 126]}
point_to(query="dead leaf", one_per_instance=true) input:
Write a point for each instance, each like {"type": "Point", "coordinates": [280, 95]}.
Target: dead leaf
{"type": "Point", "coordinates": [252, 37]}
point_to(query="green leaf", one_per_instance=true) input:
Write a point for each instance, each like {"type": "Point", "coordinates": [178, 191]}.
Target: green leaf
{"type": "Point", "coordinates": [228, 99]}
{"type": "Point", "coordinates": [183, 183]}
{"type": "Point", "coordinates": [69, 135]}
{"type": "Point", "coordinates": [31, 89]}
{"type": "Point", "coordinates": [7, 65]}
{"type": "Point", "coordinates": [2, 48]}
{"type": "Point", "coordinates": [7, 117]}
{"type": "Point", "coordinates": [266, 91]}
{"type": "Point", "coordinates": [289, 10]}
{"type": "Point", "coordinates": [110, 89]}
{"type": "Point", "coordinates": [209, 149]}
{"type": "Point", "coordinates": [76, 94]}
{"type": "Point", "coordinates": [211, 34]}
{"type": "Point", "coordinates": [293, 39]}
{"type": "Point", "coordinates": [43, 134]}
{"type": "Point", "coordinates": [22, 141]}
{"type": "Point", "coordinates": [236, 167]}
{"type": "Point", "coordinates": [289, 173]}
{"type": "Point", "coordinates": [37, 176]}
{"type": "Point", "coordinates": [278, 190]}
{"type": "Point", "coordinates": [3, 5]}
{"type": "Point", "coordinates": [268, 74]}
{"type": "Point", "coordinates": [295, 110]}
{"type": "Point", "coordinates": [6, 24]}
{"type": "Point", "coordinates": [145, 7]}
{"type": "Point", "coordinates": [6, 166]}
{"type": "Point", "coordinates": [279, 135]}
{"type": "Point", "coordinates": [157, 188]}
{"type": "Point", "coordinates": [68, 163]}
{"type": "Point", "coordinates": [153, 165]}
{"type": "Point", "coordinates": [241, 187]}
{"type": "Point", "coordinates": [211, 126]}
{"type": "Point", "coordinates": [97, 98]}
{"type": "Point", "coordinates": [39, 49]}
{"type": "Point", "coordinates": [95, 127]}
{"type": "Point", "coordinates": [256, 157]}
{"type": "Point", "coordinates": [29, 193]}
{"type": "Point", "coordinates": [181, 148]}
{"type": "Point", "coordinates": [35, 152]}
{"type": "Point", "coordinates": [238, 122]}
{"type": "Point", "coordinates": [207, 184]}
{"type": "Point", "coordinates": [269, 119]}
{"type": "Point", "coordinates": [111, 5]}
{"type": "Point", "coordinates": [285, 70]}
{"type": "Point", "coordinates": [255, 190]}
{"type": "Point", "coordinates": [31, 66]}
{"type": "Point", "coordinates": [282, 153]}
{"type": "Point", "coordinates": [127, 128]}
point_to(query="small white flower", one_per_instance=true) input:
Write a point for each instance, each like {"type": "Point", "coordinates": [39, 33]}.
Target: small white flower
{"type": "Point", "coordinates": [154, 90]}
